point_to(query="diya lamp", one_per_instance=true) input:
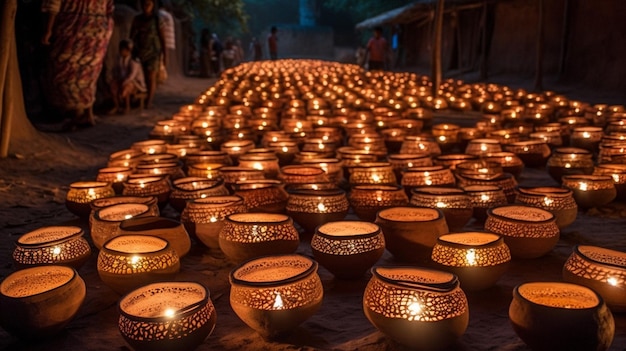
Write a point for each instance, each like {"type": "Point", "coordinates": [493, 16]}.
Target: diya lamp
{"type": "Point", "coordinates": [267, 163]}
{"type": "Point", "coordinates": [189, 188]}
{"type": "Point", "coordinates": [319, 145]}
{"type": "Point", "coordinates": [529, 232]}
{"type": "Point", "coordinates": [483, 146]}
{"type": "Point", "coordinates": [38, 302]}
{"type": "Point", "coordinates": [412, 126]}
{"type": "Point", "coordinates": [150, 147]}
{"type": "Point", "coordinates": [150, 201]}
{"type": "Point", "coordinates": [416, 144]}
{"type": "Point", "coordinates": [483, 197]}
{"type": "Point", "coordinates": [167, 131]}
{"type": "Point", "coordinates": [446, 135]}
{"type": "Point", "coordinates": [311, 208]}
{"type": "Point", "coordinates": [255, 234]}
{"type": "Point", "coordinates": [558, 201]}
{"type": "Point", "coordinates": [127, 262]}
{"type": "Point", "coordinates": [171, 169]}
{"type": "Point", "coordinates": [533, 153]}
{"type": "Point", "coordinates": [367, 200]}
{"type": "Point", "coordinates": [505, 136]}
{"type": "Point", "coordinates": [477, 259]}
{"type": "Point", "coordinates": [453, 202]}
{"type": "Point", "coordinates": [181, 150]}
{"type": "Point", "coordinates": [587, 138]}
{"type": "Point", "coordinates": [158, 186]}
{"type": "Point", "coordinates": [273, 295]}
{"type": "Point", "coordinates": [400, 162]}
{"type": "Point", "coordinates": [509, 161]}
{"type": "Point", "coordinates": [393, 138]}
{"type": "Point", "coordinates": [611, 152]}
{"type": "Point", "coordinates": [81, 194]}
{"type": "Point", "coordinates": [274, 136]}
{"type": "Point", "coordinates": [53, 245]}
{"type": "Point", "coordinates": [166, 316]}
{"type": "Point", "coordinates": [205, 170]}
{"type": "Point", "coordinates": [569, 161]}
{"type": "Point", "coordinates": [452, 160]}
{"type": "Point", "coordinates": [265, 195]}
{"type": "Point", "coordinates": [380, 173]}
{"type": "Point", "coordinates": [556, 315]}
{"type": "Point", "coordinates": [415, 177]}
{"type": "Point", "coordinates": [208, 157]}
{"type": "Point", "coordinates": [512, 115]}
{"type": "Point", "coordinates": [285, 151]}
{"type": "Point", "coordinates": [106, 220]}
{"type": "Point", "coordinates": [411, 232]}
{"type": "Point", "coordinates": [157, 159]}
{"type": "Point", "coordinates": [372, 141]}
{"type": "Point", "coordinates": [236, 148]}
{"type": "Point", "coordinates": [591, 190]}
{"type": "Point", "coordinates": [600, 269]}
{"type": "Point", "coordinates": [421, 114]}
{"type": "Point", "coordinates": [417, 307]}
{"type": "Point", "coordinates": [234, 174]}
{"type": "Point", "coordinates": [479, 169]}
{"type": "Point", "coordinates": [348, 248]}
{"type": "Point", "coordinates": [302, 174]}
{"type": "Point", "coordinates": [468, 133]}
{"type": "Point", "coordinates": [537, 113]}
{"type": "Point", "coordinates": [204, 218]}
{"type": "Point", "coordinates": [114, 175]}
{"type": "Point", "coordinates": [125, 158]}
{"type": "Point", "coordinates": [618, 173]}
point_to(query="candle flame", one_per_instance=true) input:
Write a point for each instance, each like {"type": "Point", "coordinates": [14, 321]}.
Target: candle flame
{"type": "Point", "coordinates": [583, 186]}
{"type": "Point", "coordinates": [169, 313]}
{"type": "Point", "coordinates": [615, 177]}
{"type": "Point", "coordinates": [548, 201]}
{"type": "Point", "coordinates": [278, 302]}
{"type": "Point", "coordinates": [586, 135]}
{"type": "Point", "coordinates": [612, 281]}
{"type": "Point", "coordinates": [258, 165]}
{"type": "Point", "coordinates": [414, 308]}
{"type": "Point", "coordinates": [285, 149]}
{"type": "Point", "coordinates": [56, 251]}
{"type": "Point", "coordinates": [375, 177]}
{"type": "Point", "coordinates": [321, 207]}
{"type": "Point", "coordinates": [213, 219]}
{"type": "Point", "coordinates": [484, 197]}
{"type": "Point", "coordinates": [441, 204]}
{"type": "Point", "coordinates": [151, 151]}
{"type": "Point", "coordinates": [119, 177]}
{"type": "Point", "coordinates": [568, 165]}
{"type": "Point", "coordinates": [470, 256]}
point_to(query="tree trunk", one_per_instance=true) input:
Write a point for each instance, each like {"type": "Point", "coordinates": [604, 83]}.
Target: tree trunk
{"type": "Point", "coordinates": [15, 128]}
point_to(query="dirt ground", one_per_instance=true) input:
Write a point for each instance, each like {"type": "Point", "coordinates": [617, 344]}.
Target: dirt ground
{"type": "Point", "coordinates": [34, 182]}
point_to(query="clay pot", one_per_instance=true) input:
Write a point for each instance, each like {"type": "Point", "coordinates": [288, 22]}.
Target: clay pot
{"type": "Point", "coordinates": [262, 195]}
{"type": "Point", "coordinates": [127, 262]}
{"type": "Point", "coordinates": [478, 259]}
{"type": "Point", "coordinates": [38, 302]}
{"type": "Point", "coordinates": [600, 269]}
{"type": "Point", "coordinates": [81, 194]}
{"type": "Point", "coordinates": [367, 200]}
{"type": "Point", "coordinates": [559, 201]}
{"type": "Point", "coordinates": [57, 245]}
{"type": "Point", "coordinates": [275, 294]}
{"type": "Point", "coordinates": [311, 208]}
{"type": "Point", "coordinates": [568, 161]}
{"type": "Point", "coordinates": [107, 220]}
{"type": "Point", "coordinates": [249, 235]}
{"type": "Point", "coordinates": [419, 308]}
{"type": "Point", "coordinates": [411, 232]}
{"type": "Point", "coordinates": [561, 316]}
{"type": "Point", "coordinates": [534, 153]}
{"type": "Point", "coordinates": [158, 187]}
{"type": "Point", "coordinates": [453, 202]}
{"type": "Point", "coordinates": [528, 231]}
{"type": "Point", "coordinates": [189, 188]}
{"type": "Point", "coordinates": [484, 197]}
{"type": "Point", "coordinates": [348, 248]}
{"type": "Point", "coordinates": [591, 190]}
{"type": "Point", "coordinates": [167, 316]}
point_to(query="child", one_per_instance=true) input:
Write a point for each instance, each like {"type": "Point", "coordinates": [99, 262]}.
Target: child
{"type": "Point", "coordinates": [128, 78]}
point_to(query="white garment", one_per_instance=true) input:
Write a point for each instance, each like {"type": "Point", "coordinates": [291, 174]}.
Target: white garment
{"type": "Point", "coordinates": [167, 24]}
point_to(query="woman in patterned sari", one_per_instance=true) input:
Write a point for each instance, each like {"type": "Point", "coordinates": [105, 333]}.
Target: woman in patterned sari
{"type": "Point", "coordinates": [78, 33]}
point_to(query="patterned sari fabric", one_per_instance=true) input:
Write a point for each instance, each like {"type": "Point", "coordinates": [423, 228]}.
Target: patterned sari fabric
{"type": "Point", "coordinates": [80, 37]}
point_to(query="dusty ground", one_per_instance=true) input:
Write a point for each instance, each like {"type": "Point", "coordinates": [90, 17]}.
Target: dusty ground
{"type": "Point", "coordinates": [33, 185]}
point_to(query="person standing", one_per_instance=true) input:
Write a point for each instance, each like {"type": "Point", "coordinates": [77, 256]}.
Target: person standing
{"type": "Point", "coordinates": [77, 33]}
{"type": "Point", "coordinates": [169, 32]}
{"type": "Point", "coordinates": [146, 32]}
{"type": "Point", "coordinates": [272, 43]}
{"type": "Point", "coordinates": [127, 78]}
{"type": "Point", "coordinates": [377, 49]}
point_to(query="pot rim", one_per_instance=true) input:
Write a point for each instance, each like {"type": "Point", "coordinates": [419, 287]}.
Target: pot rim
{"type": "Point", "coordinates": [311, 269]}
{"type": "Point", "coordinates": [371, 234]}
{"type": "Point", "coordinates": [76, 233]}
{"type": "Point", "coordinates": [122, 253]}
{"type": "Point", "coordinates": [45, 267]}
{"type": "Point", "coordinates": [443, 287]}
{"type": "Point", "coordinates": [517, 294]}
{"type": "Point", "coordinates": [97, 217]}
{"type": "Point", "coordinates": [440, 214]}
{"type": "Point", "coordinates": [551, 218]}
{"type": "Point", "coordinates": [287, 219]}
{"type": "Point", "coordinates": [499, 239]}
{"type": "Point", "coordinates": [607, 264]}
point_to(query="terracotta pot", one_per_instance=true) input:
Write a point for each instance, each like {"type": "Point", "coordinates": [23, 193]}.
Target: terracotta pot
{"type": "Point", "coordinates": [478, 259]}
{"type": "Point", "coordinates": [311, 208]}
{"type": "Point", "coordinates": [600, 269]}
{"type": "Point", "coordinates": [528, 231]}
{"type": "Point", "coordinates": [189, 188]}
{"type": "Point", "coordinates": [419, 308]}
{"type": "Point", "coordinates": [167, 316]}
{"type": "Point", "coordinates": [568, 161]}
{"type": "Point", "coordinates": [590, 190]}
{"type": "Point", "coordinates": [158, 187]}
{"type": "Point", "coordinates": [453, 202]}
{"type": "Point", "coordinates": [411, 232]}
{"type": "Point", "coordinates": [81, 194]}
{"type": "Point", "coordinates": [561, 316]}
{"type": "Point", "coordinates": [348, 248]}
{"type": "Point", "coordinates": [367, 200]}
{"type": "Point", "coordinates": [107, 220]}
{"type": "Point", "coordinates": [559, 201]}
{"type": "Point", "coordinates": [262, 195]}
{"type": "Point", "coordinates": [58, 245]}
{"type": "Point", "coordinates": [484, 197]}
{"type": "Point", "coordinates": [249, 235]}
{"type": "Point", "coordinates": [127, 262]}
{"type": "Point", "coordinates": [275, 294]}
{"type": "Point", "coordinates": [38, 302]}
